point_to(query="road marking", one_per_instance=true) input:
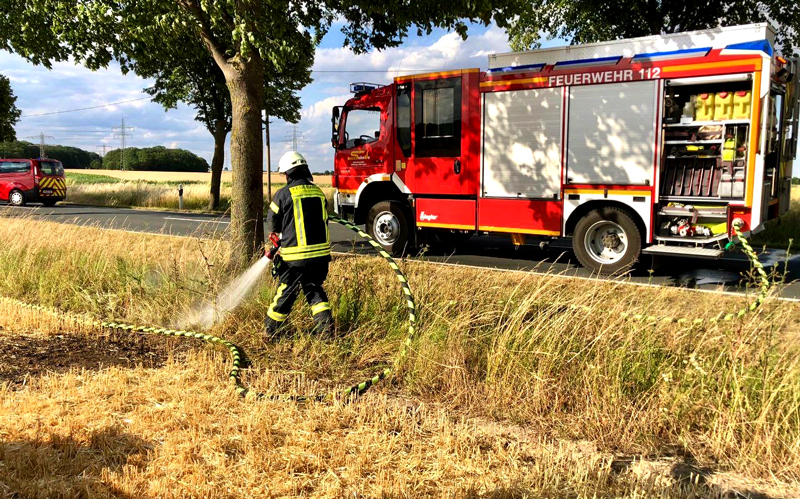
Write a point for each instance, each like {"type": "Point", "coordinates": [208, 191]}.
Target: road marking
{"type": "Point", "coordinates": [198, 221]}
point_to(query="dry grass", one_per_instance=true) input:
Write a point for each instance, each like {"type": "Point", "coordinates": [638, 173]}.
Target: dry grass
{"type": "Point", "coordinates": [176, 432]}
{"type": "Point", "coordinates": [149, 195]}
{"type": "Point", "coordinates": [183, 176]}
{"type": "Point", "coordinates": [778, 233]}
{"type": "Point", "coordinates": [144, 195]}
{"type": "Point", "coordinates": [491, 347]}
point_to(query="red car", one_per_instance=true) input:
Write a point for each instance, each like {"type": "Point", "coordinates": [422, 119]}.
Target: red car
{"type": "Point", "coordinates": [32, 180]}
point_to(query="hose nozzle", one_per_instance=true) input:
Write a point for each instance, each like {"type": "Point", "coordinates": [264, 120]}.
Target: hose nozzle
{"type": "Point", "coordinates": [272, 246]}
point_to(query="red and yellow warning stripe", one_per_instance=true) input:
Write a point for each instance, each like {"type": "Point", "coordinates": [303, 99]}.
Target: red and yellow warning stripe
{"type": "Point", "coordinates": [59, 186]}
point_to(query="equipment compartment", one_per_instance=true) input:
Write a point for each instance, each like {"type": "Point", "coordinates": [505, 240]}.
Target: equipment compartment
{"type": "Point", "coordinates": [706, 127]}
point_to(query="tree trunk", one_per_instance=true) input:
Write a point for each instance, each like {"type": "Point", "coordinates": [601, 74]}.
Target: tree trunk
{"type": "Point", "coordinates": [217, 162]}
{"type": "Point", "coordinates": [247, 153]}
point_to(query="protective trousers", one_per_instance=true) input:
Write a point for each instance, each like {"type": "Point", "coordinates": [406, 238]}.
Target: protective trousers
{"type": "Point", "coordinates": [308, 277]}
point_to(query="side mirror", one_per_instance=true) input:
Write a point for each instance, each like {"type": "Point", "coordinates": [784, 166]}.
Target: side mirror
{"type": "Point", "coordinates": [336, 113]}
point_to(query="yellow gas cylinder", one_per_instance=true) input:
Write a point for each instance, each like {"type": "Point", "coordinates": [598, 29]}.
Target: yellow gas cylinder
{"type": "Point", "coordinates": [741, 105]}
{"type": "Point", "coordinates": [723, 106]}
{"type": "Point", "coordinates": [729, 149]}
{"type": "Point", "coordinates": [704, 107]}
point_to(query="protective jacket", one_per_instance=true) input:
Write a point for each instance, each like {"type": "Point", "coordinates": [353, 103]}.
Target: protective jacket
{"type": "Point", "coordinates": [299, 213]}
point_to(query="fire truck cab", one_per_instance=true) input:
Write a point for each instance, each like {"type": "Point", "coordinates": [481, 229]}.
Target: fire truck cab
{"type": "Point", "coordinates": [650, 145]}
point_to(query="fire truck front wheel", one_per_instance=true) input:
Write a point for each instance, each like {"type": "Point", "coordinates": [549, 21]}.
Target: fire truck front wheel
{"type": "Point", "coordinates": [607, 241]}
{"type": "Point", "coordinates": [387, 223]}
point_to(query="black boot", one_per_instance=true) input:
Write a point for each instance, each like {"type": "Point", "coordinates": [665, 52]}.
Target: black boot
{"type": "Point", "coordinates": [274, 329]}
{"type": "Point", "coordinates": [323, 323]}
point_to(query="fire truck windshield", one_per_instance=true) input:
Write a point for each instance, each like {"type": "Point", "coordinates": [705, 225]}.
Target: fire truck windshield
{"type": "Point", "coordinates": [361, 126]}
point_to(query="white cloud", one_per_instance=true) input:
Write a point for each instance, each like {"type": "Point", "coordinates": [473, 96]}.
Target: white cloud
{"type": "Point", "coordinates": [69, 86]}
{"type": "Point", "coordinates": [448, 51]}
{"type": "Point", "coordinates": [322, 109]}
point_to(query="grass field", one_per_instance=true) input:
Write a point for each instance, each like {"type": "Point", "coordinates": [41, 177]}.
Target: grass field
{"type": "Point", "coordinates": [779, 232]}
{"type": "Point", "coordinates": [178, 177]}
{"type": "Point", "coordinates": [505, 393]}
{"type": "Point", "coordinates": [156, 190]}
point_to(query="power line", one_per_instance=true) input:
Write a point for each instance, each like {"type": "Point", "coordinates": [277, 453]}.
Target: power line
{"type": "Point", "coordinates": [79, 131]}
{"type": "Point", "coordinates": [84, 108]}
{"type": "Point", "coordinates": [150, 98]}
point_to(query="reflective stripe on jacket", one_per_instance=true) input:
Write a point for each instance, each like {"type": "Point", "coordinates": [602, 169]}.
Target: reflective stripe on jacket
{"type": "Point", "coordinates": [299, 213]}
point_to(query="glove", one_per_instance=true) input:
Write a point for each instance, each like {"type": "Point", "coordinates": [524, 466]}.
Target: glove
{"type": "Point", "coordinates": [277, 263]}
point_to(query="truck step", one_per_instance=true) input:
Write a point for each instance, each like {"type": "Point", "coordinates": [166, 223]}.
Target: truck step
{"type": "Point", "coordinates": [683, 251]}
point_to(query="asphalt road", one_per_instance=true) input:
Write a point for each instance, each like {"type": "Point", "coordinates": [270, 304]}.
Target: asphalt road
{"type": "Point", "coordinates": [725, 274]}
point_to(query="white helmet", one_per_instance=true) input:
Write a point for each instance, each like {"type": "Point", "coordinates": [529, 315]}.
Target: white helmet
{"type": "Point", "coordinates": [291, 160]}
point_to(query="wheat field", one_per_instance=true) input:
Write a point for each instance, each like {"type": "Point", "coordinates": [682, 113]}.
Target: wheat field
{"type": "Point", "coordinates": [152, 190]}
{"type": "Point", "coordinates": [227, 176]}
{"type": "Point", "coordinates": [506, 392]}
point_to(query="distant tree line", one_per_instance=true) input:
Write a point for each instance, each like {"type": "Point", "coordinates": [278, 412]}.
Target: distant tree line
{"type": "Point", "coordinates": [155, 159]}
{"type": "Point", "coordinates": [70, 157]}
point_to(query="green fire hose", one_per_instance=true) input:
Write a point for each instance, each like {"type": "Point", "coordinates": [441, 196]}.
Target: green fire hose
{"type": "Point", "coordinates": [238, 356]}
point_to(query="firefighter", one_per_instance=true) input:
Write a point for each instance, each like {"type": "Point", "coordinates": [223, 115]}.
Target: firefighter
{"type": "Point", "coordinates": [298, 213]}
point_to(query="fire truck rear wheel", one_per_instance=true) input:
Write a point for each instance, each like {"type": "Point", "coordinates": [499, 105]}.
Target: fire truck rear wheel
{"type": "Point", "coordinates": [16, 197]}
{"type": "Point", "coordinates": [387, 223]}
{"type": "Point", "coordinates": [607, 241]}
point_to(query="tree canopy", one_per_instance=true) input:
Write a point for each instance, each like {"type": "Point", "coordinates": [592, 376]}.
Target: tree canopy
{"type": "Point", "coordinates": [9, 114]}
{"type": "Point", "coordinates": [70, 157]}
{"type": "Point", "coordinates": [586, 21]}
{"type": "Point", "coordinates": [155, 159]}
{"type": "Point", "coordinates": [244, 38]}
{"type": "Point", "coordinates": [186, 72]}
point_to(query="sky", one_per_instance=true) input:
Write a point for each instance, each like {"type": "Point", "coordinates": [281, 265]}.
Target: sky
{"type": "Point", "coordinates": [69, 86]}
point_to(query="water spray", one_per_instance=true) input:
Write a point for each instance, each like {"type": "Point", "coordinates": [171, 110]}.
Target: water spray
{"type": "Point", "coordinates": [234, 293]}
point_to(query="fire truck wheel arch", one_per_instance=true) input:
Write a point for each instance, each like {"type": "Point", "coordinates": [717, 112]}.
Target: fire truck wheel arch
{"type": "Point", "coordinates": [374, 192]}
{"type": "Point", "coordinates": [584, 209]}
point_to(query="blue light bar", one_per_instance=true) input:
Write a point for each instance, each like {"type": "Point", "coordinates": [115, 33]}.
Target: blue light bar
{"type": "Point", "coordinates": [579, 63]}
{"type": "Point", "coordinates": [760, 45]}
{"type": "Point", "coordinates": [361, 87]}
{"type": "Point", "coordinates": [673, 54]}
{"type": "Point", "coordinates": [527, 68]}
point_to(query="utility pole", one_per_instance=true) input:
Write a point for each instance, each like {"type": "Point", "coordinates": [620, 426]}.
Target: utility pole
{"type": "Point", "coordinates": [41, 137]}
{"type": "Point", "coordinates": [104, 146]}
{"type": "Point", "coordinates": [122, 133]}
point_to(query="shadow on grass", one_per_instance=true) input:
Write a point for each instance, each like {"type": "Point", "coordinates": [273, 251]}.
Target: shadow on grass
{"type": "Point", "coordinates": [63, 467]}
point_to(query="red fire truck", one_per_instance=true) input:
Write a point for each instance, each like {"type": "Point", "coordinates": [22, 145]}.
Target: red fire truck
{"type": "Point", "coordinates": [651, 145]}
